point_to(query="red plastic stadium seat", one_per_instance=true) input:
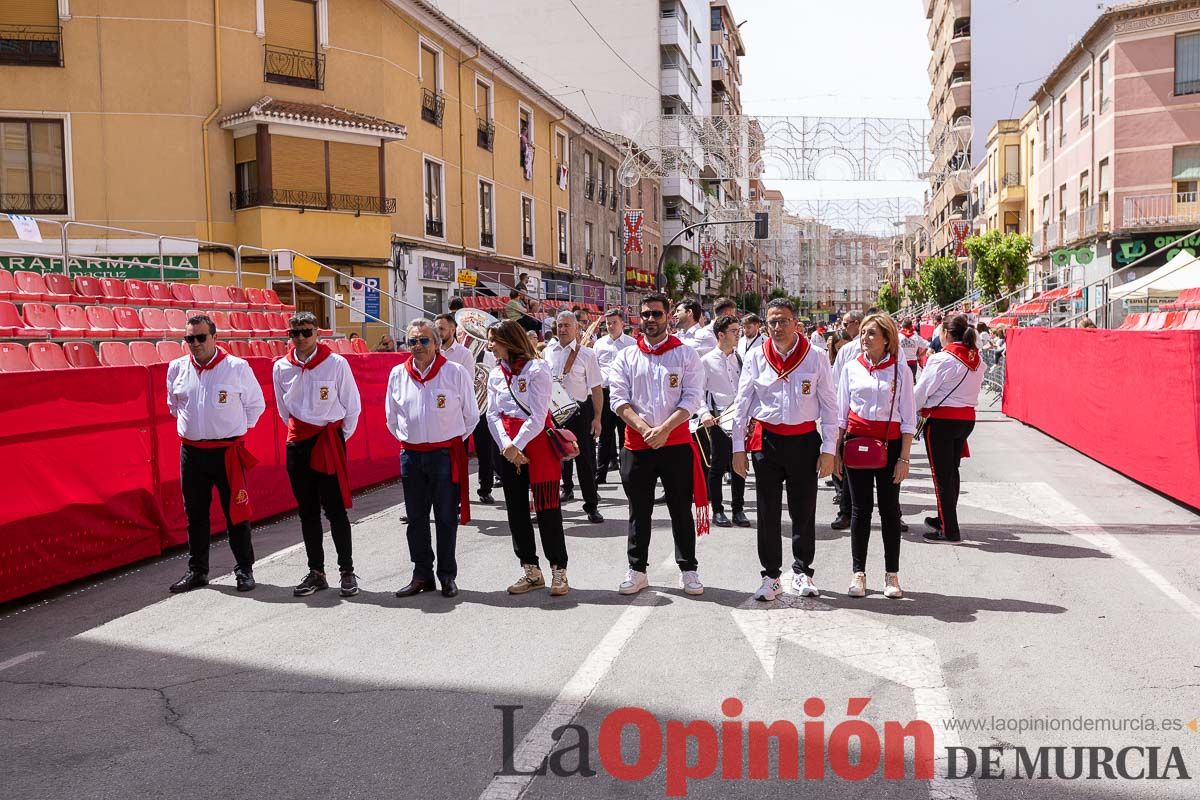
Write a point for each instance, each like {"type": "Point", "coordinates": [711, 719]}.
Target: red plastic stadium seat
{"type": "Point", "coordinates": [169, 350]}
{"type": "Point", "coordinates": [260, 349]}
{"type": "Point", "coordinates": [360, 346]}
{"type": "Point", "coordinates": [256, 299]}
{"type": "Point", "coordinates": [237, 297]}
{"type": "Point", "coordinates": [202, 295]}
{"type": "Point", "coordinates": [278, 322]}
{"type": "Point", "coordinates": [176, 320]}
{"type": "Point", "coordinates": [260, 324]}
{"type": "Point", "coordinates": [274, 303]}
{"type": "Point", "coordinates": [62, 289]}
{"type": "Point", "coordinates": [12, 325]}
{"type": "Point", "coordinates": [114, 290]}
{"type": "Point", "coordinates": [72, 321]}
{"type": "Point", "coordinates": [88, 287]}
{"type": "Point", "coordinates": [137, 292]}
{"type": "Point", "coordinates": [239, 348]}
{"type": "Point", "coordinates": [220, 319]}
{"type": "Point", "coordinates": [144, 353]}
{"type": "Point", "coordinates": [7, 285]}
{"type": "Point", "coordinates": [341, 346]}
{"type": "Point", "coordinates": [278, 348]}
{"type": "Point", "coordinates": [1129, 322]}
{"type": "Point", "coordinates": [115, 354]}
{"type": "Point", "coordinates": [102, 322]}
{"type": "Point", "coordinates": [239, 324]}
{"type": "Point", "coordinates": [1174, 319]}
{"type": "Point", "coordinates": [48, 355]}
{"type": "Point", "coordinates": [30, 287]}
{"type": "Point", "coordinates": [182, 294]}
{"type": "Point", "coordinates": [13, 358]}
{"type": "Point", "coordinates": [127, 320]}
{"type": "Point", "coordinates": [41, 315]}
{"type": "Point", "coordinates": [221, 298]}
{"type": "Point", "coordinates": [154, 322]}
{"type": "Point", "coordinates": [160, 295]}
{"type": "Point", "coordinates": [1156, 321]}
{"type": "Point", "coordinates": [1191, 322]}
{"type": "Point", "coordinates": [1193, 301]}
{"type": "Point", "coordinates": [81, 354]}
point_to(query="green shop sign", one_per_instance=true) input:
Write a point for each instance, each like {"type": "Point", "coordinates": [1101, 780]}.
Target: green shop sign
{"type": "Point", "coordinates": [1126, 251]}
{"type": "Point", "coordinates": [1081, 256]}
{"type": "Point", "coordinates": [144, 267]}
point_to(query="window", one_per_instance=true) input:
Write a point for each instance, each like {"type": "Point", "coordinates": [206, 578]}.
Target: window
{"type": "Point", "coordinates": [487, 215]}
{"type": "Point", "coordinates": [483, 98]}
{"type": "Point", "coordinates": [612, 186]}
{"type": "Point", "coordinates": [1046, 133]}
{"type": "Point", "coordinates": [717, 23]}
{"type": "Point", "coordinates": [1102, 82]}
{"type": "Point", "coordinates": [433, 199]}
{"type": "Point", "coordinates": [1105, 178]}
{"type": "Point", "coordinates": [1062, 120]}
{"type": "Point", "coordinates": [526, 117]}
{"type": "Point", "coordinates": [588, 255]}
{"type": "Point", "coordinates": [1085, 100]}
{"type": "Point", "coordinates": [1032, 143]}
{"type": "Point", "coordinates": [1187, 63]}
{"type": "Point", "coordinates": [560, 147]}
{"type": "Point", "coordinates": [30, 34]}
{"type": "Point", "coordinates": [291, 56]}
{"type": "Point", "coordinates": [33, 167]}
{"type": "Point", "coordinates": [1085, 190]}
{"type": "Point", "coordinates": [430, 73]}
{"type": "Point", "coordinates": [527, 226]}
{"type": "Point", "coordinates": [1012, 165]}
{"type": "Point", "coordinates": [589, 181]}
{"type": "Point", "coordinates": [654, 201]}
{"type": "Point", "coordinates": [1186, 173]}
{"type": "Point", "coordinates": [562, 236]}
{"type": "Point", "coordinates": [612, 243]}
{"type": "Point", "coordinates": [602, 195]}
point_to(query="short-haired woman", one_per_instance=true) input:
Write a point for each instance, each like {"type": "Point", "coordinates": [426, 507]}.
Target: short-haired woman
{"type": "Point", "coordinates": [947, 395]}
{"type": "Point", "coordinates": [518, 409]}
{"type": "Point", "coordinates": [875, 401]}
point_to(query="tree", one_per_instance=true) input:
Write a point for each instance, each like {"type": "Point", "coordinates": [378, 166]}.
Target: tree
{"type": "Point", "coordinates": [889, 298]}
{"type": "Point", "coordinates": [1001, 262]}
{"type": "Point", "coordinates": [943, 280]}
{"type": "Point", "coordinates": [778, 291]}
{"type": "Point", "coordinates": [914, 290]}
{"type": "Point", "coordinates": [751, 302]}
{"type": "Point", "coordinates": [679, 278]}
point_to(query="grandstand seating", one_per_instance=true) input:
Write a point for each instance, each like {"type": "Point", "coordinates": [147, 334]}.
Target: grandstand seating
{"type": "Point", "coordinates": [144, 353]}
{"type": "Point", "coordinates": [14, 358]}
{"type": "Point", "coordinates": [12, 325]}
{"type": "Point", "coordinates": [81, 354]}
{"type": "Point", "coordinates": [114, 291]}
{"type": "Point", "coordinates": [170, 350]}
{"type": "Point", "coordinates": [41, 315]}
{"type": "Point", "coordinates": [73, 320]}
{"type": "Point", "coordinates": [48, 355]}
{"type": "Point", "coordinates": [88, 287]}
{"type": "Point", "coordinates": [360, 346]}
{"type": "Point", "coordinates": [32, 283]}
{"type": "Point", "coordinates": [115, 354]}
{"type": "Point", "coordinates": [102, 322]}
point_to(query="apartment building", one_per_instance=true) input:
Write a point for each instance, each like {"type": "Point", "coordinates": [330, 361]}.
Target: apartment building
{"type": "Point", "coordinates": [998, 196]}
{"type": "Point", "coordinates": [593, 257]}
{"type": "Point", "coordinates": [950, 108]}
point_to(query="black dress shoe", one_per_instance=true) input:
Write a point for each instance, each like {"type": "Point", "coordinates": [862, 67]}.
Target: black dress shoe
{"type": "Point", "coordinates": [449, 589]}
{"type": "Point", "coordinates": [940, 538]}
{"type": "Point", "coordinates": [904, 527]}
{"type": "Point", "coordinates": [486, 498]}
{"type": "Point", "coordinates": [245, 579]}
{"type": "Point", "coordinates": [567, 497]}
{"type": "Point", "coordinates": [841, 523]}
{"type": "Point", "coordinates": [416, 586]}
{"type": "Point", "coordinates": [601, 479]}
{"type": "Point", "coordinates": [934, 522]}
{"type": "Point", "coordinates": [720, 520]}
{"type": "Point", "coordinates": [594, 517]}
{"type": "Point", "coordinates": [741, 520]}
{"type": "Point", "coordinates": [190, 580]}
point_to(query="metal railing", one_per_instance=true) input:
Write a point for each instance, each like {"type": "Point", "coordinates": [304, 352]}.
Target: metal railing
{"type": "Point", "coordinates": [1094, 220]}
{"type": "Point", "coordinates": [485, 135]}
{"type": "Point", "coordinates": [1053, 234]}
{"type": "Point", "coordinates": [301, 199]}
{"type": "Point", "coordinates": [433, 227]}
{"type": "Point", "coordinates": [1011, 179]}
{"type": "Point", "coordinates": [602, 194]}
{"type": "Point", "coordinates": [31, 45]}
{"type": "Point", "coordinates": [33, 203]}
{"type": "Point", "coordinates": [589, 188]}
{"type": "Point", "coordinates": [1172, 208]}
{"type": "Point", "coordinates": [433, 106]}
{"type": "Point", "coordinates": [293, 67]}
{"type": "Point", "coordinates": [487, 240]}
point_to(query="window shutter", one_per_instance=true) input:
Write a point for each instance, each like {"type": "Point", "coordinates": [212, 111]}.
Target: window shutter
{"type": "Point", "coordinates": [245, 149]}
{"type": "Point", "coordinates": [297, 164]}
{"type": "Point", "coordinates": [28, 12]}
{"type": "Point", "coordinates": [1187, 163]}
{"type": "Point", "coordinates": [354, 169]}
{"type": "Point", "coordinates": [292, 24]}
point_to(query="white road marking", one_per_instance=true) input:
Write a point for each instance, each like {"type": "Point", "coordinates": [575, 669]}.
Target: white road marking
{"type": "Point", "coordinates": [864, 643]}
{"type": "Point", "coordinates": [21, 659]}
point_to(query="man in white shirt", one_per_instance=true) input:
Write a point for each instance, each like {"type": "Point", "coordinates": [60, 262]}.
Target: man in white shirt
{"type": "Point", "coordinates": [817, 338]}
{"type": "Point", "coordinates": [612, 428]}
{"type": "Point", "coordinates": [453, 347]}
{"type": "Point", "coordinates": [723, 307]}
{"type": "Point", "coordinates": [656, 387]}
{"type": "Point", "coordinates": [578, 370]}
{"type": "Point", "coordinates": [215, 400]}
{"type": "Point", "coordinates": [752, 335]}
{"type": "Point", "coordinates": [690, 331]}
{"type": "Point", "coordinates": [722, 369]}
{"type": "Point", "coordinates": [431, 409]}
{"type": "Point", "coordinates": [851, 322]}
{"type": "Point", "coordinates": [785, 388]}
{"type": "Point", "coordinates": [447, 330]}
{"type": "Point", "coordinates": [318, 400]}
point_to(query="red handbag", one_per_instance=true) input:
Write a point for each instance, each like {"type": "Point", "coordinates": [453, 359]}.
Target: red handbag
{"type": "Point", "coordinates": [865, 452]}
{"type": "Point", "coordinates": [563, 442]}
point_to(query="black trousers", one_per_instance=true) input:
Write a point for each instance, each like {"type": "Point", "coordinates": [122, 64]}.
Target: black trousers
{"type": "Point", "coordinates": [428, 486]}
{"type": "Point", "coordinates": [640, 472]}
{"type": "Point", "coordinates": [718, 449]}
{"type": "Point", "coordinates": [612, 435]}
{"type": "Point", "coordinates": [315, 491]}
{"type": "Point", "coordinates": [865, 486]}
{"type": "Point", "coordinates": [487, 453]}
{"type": "Point", "coordinates": [516, 506]}
{"type": "Point", "coordinates": [944, 443]}
{"type": "Point", "coordinates": [200, 470]}
{"type": "Point", "coordinates": [791, 462]}
{"type": "Point", "coordinates": [580, 424]}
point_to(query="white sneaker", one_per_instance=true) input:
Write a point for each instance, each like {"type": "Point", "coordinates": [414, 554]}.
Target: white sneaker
{"type": "Point", "coordinates": [769, 590]}
{"type": "Point", "coordinates": [804, 586]}
{"type": "Point", "coordinates": [634, 582]}
{"type": "Point", "coordinates": [891, 585]}
{"type": "Point", "coordinates": [690, 582]}
{"type": "Point", "coordinates": [858, 585]}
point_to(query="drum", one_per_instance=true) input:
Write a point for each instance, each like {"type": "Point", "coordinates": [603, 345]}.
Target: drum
{"type": "Point", "coordinates": [562, 407]}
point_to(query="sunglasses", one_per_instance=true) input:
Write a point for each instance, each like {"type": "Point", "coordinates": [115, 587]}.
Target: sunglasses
{"type": "Point", "coordinates": [423, 341]}
{"type": "Point", "coordinates": [196, 337]}
{"type": "Point", "coordinates": [298, 332]}
{"type": "Point", "coordinates": [653, 314]}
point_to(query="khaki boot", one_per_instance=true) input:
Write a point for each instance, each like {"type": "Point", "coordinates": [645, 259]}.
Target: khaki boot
{"type": "Point", "coordinates": [558, 581]}
{"type": "Point", "coordinates": [532, 579]}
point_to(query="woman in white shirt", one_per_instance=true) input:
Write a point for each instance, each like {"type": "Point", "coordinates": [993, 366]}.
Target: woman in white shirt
{"type": "Point", "coordinates": [518, 410]}
{"type": "Point", "coordinates": [875, 401]}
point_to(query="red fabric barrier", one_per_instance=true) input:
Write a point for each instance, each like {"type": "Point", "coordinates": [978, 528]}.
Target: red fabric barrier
{"type": "Point", "coordinates": [1129, 399]}
{"type": "Point", "coordinates": [92, 457]}
{"type": "Point", "coordinates": [927, 331]}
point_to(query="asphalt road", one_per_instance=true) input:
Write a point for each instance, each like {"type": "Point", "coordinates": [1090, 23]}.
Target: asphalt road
{"type": "Point", "coordinates": [1077, 597]}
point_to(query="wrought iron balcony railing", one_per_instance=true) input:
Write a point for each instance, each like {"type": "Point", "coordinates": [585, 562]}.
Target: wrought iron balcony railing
{"type": "Point", "coordinates": [485, 135]}
{"type": "Point", "coordinates": [562, 256]}
{"type": "Point", "coordinates": [602, 195]}
{"type": "Point", "coordinates": [589, 188]}
{"type": "Point", "coordinates": [487, 240]}
{"type": "Point", "coordinates": [1012, 179]}
{"type": "Point", "coordinates": [612, 201]}
{"type": "Point", "coordinates": [31, 45]}
{"type": "Point", "coordinates": [298, 198]}
{"type": "Point", "coordinates": [527, 247]}
{"type": "Point", "coordinates": [26, 203]}
{"type": "Point", "coordinates": [293, 67]}
{"type": "Point", "coordinates": [433, 106]}
{"type": "Point", "coordinates": [589, 259]}
{"type": "Point", "coordinates": [433, 227]}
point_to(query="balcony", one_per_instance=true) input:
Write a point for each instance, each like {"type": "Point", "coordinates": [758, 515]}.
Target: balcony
{"type": "Point", "coordinates": [672, 34]}
{"type": "Point", "coordinates": [434, 227]}
{"type": "Point", "coordinates": [527, 248]}
{"type": "Point", "coordinates": [1072, 228]}
{"type": "Point", "coordinates": [674, 83]}
{"type": "Point", "coordinates": [25, 203]}
{"type": "Point", "coordinates": [589, 260]}
{"type": "Point", "coordinates": [589, 188]}
{"type": "Point", "coordinates": [302, 200]}
{"type": "Point", "coordinates": [960, 96]}
{"type": "Point", "coordinates": [612, 200]}
{"type": "Point", "coordinates": [487, 240]}
{"type": "Point", "coordinates": [314, 228]}
{"type": "Point", "coordinates": [433, 106]}
{"type": "Point", "coordinates": [960, 50]}
{"type": "Point", "coordinates": [1155, 210]}
{"type": "Point", "coordinates": [293, 67]}
{"type": "Point", "coordinates": [485, 134]}
{"type": "Point", "coordinates": [31, 45]}
{"type": "Point", "coordinates": [1053, 235]}
{"type": "Point", "coordinates": [1095, 220]}
{"type": "Point", "coordinates": [602, 195]}
{"type": "Point", "coordinates": [1012, 189]}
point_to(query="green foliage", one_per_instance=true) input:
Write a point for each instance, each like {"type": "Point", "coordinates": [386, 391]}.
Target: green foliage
{"type": "Point", "coordinates": [1001, 262]}
{"type": "Point", "coordinates": [751, 302]}
{"type": "Point", "coordinates": [889, 298]}
{"type": "Point", "coordinates": [943, 280]}
{"type": "Point", "coordinates": [679, 279]}
{"type": "Point", "coordinates": [914, 290]}
{"type": "Point", "coordinates": [778, 291]}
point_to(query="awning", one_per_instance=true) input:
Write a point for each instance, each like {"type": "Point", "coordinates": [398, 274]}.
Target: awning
{"type": "Point", "coordinates": [1181, 272]}
{"type": "Point", "coordinates": [321, 116]}
{"type": "Point", "coordinates": [1030, 309]}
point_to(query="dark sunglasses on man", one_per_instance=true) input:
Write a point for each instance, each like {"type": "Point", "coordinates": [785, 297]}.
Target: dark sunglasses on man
{"type": "Point", "coordinates": [196, 337]}
{"type": "Point", "coordinates": [653, 314]}
{"type": "Point", "coordinates": [423, 341]}
{"type": "Point", "coordinates": [298, 332]}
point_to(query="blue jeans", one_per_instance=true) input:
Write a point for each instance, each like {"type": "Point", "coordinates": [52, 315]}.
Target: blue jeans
{"type": "Point", "coordinates": [427, 487]}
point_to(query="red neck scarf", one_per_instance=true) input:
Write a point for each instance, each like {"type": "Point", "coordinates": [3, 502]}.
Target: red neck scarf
{"type": "Point", "coordinates": [411, 366]}
{"type": "Point", "coordinates": [668, 344]}
{"type": "Point", "coordinates": [323, 352]}
{"type": "Point", "coordinates": [212, 362]}
{"type": "Point", "coordinates": [781, 365]}
{"type": "Point", "coordinates": [871, 368]}
{"type": "Point", "coordinates": [906, 331]}
{"type": "Point", "coordinates": [516, 369]}
{"type": "Point", "coordinates": [969, 356]}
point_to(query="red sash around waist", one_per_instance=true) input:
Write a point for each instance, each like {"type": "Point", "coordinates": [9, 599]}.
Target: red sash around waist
{"type": "Point", "coordinates": [757, 426]}
{"type": "Point", "coordinates": [545, 468]}
{"type": "Point", "coordinates": [634, 440]}
{"type": "Point", "coordinates": [875, 429]}
{"type": "Point", "coordinates": [681, 435]}
{"type": "Point", "coordinates": [328, 454]}
{"type": "Point", "coordinates": [458, 469]}
{"type": "Point", "coordinates": [237, 461]}
{"type": "Point", "coordinates": [950, 412]}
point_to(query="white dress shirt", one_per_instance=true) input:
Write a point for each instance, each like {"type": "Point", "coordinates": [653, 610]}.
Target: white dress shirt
{"type": "Point", "coordinates": [321, 395]}
{"type": "Point", "coordinates": [747, 343]}
{"type": "Point", "coordinates": [817, 340]}
{"type": "Point", "coordinates": [657, 384]}
{"type": "Point", "coordinates": [585, 372]}
{"type": "Point", "coordinates": [806, 395]}
{"type": "Point", "coordinates": [462, 356]}
{"type": "Point", "coordinates": [869, 395]}
{"type": "Point", "coordinates": [850, 351]}
{"type": "Point", "coordinates": [721, 373]}
{"type": "Point", "coordinates": [607, 349]}
{"type": "Point", "coordinates": [699, 339]}
{"type": "Point", "coordinates": [532, 388]}
{"type": "Point", "coordinates": [910, 345]}
{"type": "Point", "coordinates": [941, 375]}
{"type": "Point", "coordinates": [219, 403]}
{"type": "Point", "coordinates": [437, 410]}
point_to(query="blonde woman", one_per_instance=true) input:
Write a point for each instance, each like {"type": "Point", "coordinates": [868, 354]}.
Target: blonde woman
{"type": "Point", "coordinates": [875, 402]}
